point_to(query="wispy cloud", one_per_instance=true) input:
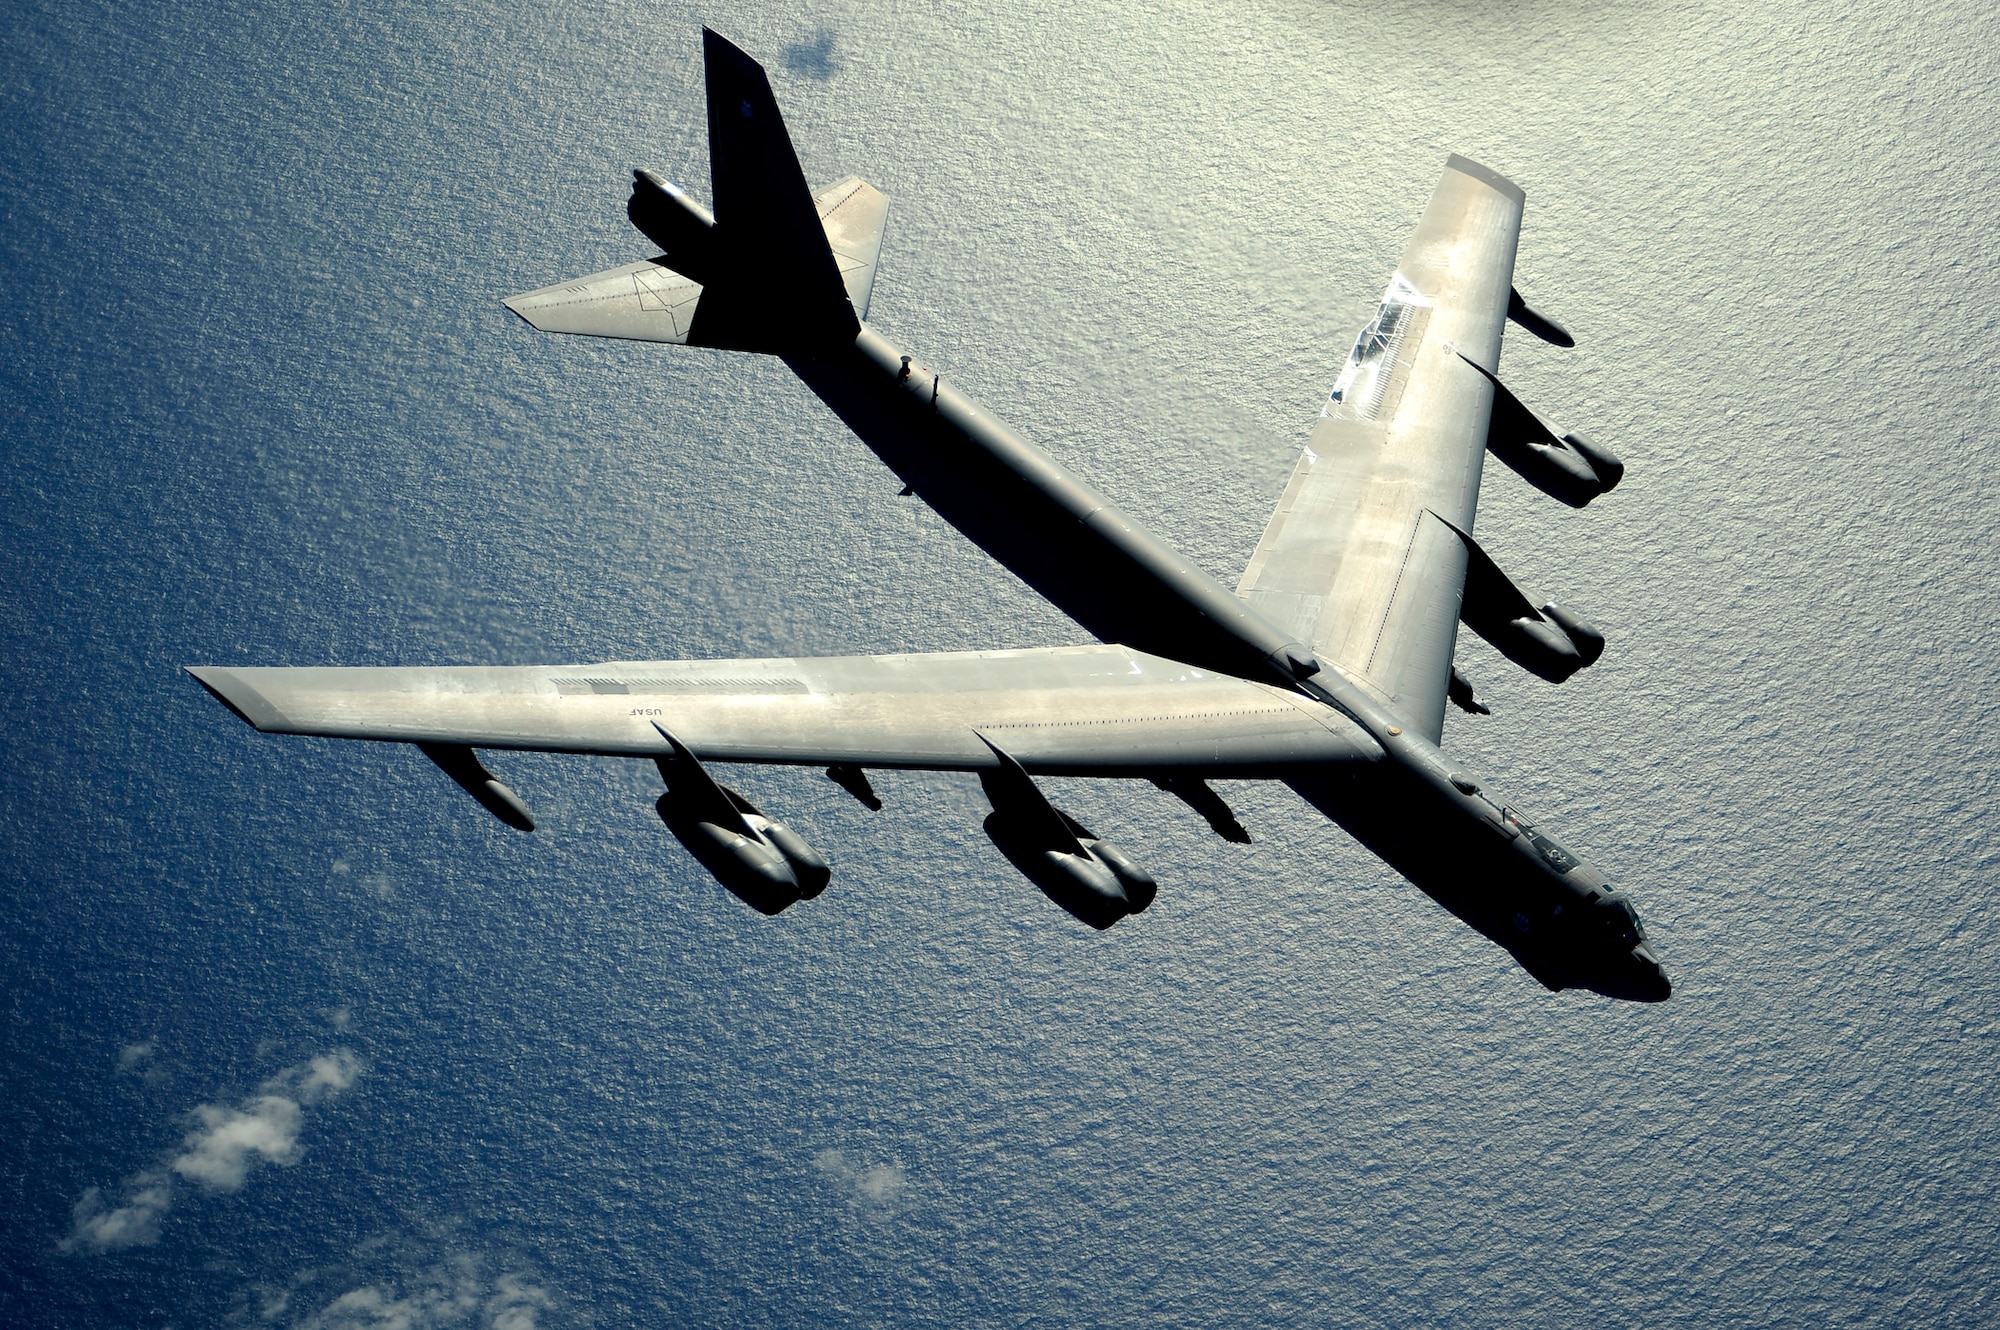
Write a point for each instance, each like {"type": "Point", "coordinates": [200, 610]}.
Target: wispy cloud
{"type": "Point", "coordinates": [456, 1293]}
{"type": "Point", "coordinates": [879, 1183]}
{"type": "Point", "coordinates": [103, 1227]}
{"type": "Point", "coordinates": [141, 1060]}
{"type": "Point", "coordinates": [216, 1154]}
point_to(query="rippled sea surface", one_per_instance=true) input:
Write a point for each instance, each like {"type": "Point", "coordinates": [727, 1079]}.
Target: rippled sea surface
{"type": "Point", "coordinates": [295, 1035]}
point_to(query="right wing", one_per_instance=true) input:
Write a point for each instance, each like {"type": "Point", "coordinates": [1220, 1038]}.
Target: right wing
{"type": "Point", "coordinates": [1354, 560]}
{"type": "Point", "coordinates": [1095, 710]}
{"type": "Point", "coordinates": [650, 302]}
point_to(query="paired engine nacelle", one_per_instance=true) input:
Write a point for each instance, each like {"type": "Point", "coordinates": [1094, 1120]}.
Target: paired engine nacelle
{"type": "Point", "coordinates": [1560, 463]}
{"type": "Point", "coordinates": [1095, 881]}
{"type": "Point", "coordinates": [1552, 642]}
{"type": "Point", "coordinates": [769, 866]}
{"type": "Point", "coordinates": [763, 863]}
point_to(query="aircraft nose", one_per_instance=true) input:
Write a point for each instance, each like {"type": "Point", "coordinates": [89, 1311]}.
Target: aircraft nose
{"type": "Point", "coordinates": [1646, 978]}
{"type": "Point", "coordinates": [1636, 976]}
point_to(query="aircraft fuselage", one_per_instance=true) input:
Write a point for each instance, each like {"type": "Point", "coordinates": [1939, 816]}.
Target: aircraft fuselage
{"type": "Point", "coordinates": [1417, 810]}
{"type": "Point", "coordinates": [1482, 860]}
{"type": "Point", "coordinates": [1057, 533]}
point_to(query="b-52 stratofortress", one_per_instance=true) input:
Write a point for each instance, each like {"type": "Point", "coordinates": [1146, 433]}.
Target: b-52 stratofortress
{"type": "Point", "coordinates": [1328, 668]}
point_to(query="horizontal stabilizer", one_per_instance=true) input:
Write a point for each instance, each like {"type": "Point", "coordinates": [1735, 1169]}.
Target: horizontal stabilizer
{"type": "Point", "coordinates": [646, 302]}
{"type": "Point", "coordinates": [854, 213]}
{"type": "Point", "coordinates": [651, 301]}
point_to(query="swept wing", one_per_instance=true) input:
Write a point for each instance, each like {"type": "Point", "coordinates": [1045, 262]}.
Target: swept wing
{"type": "Point", "coordinates": [1069, 710]}
{"type": "Point", "coordinates": [1356, 561]}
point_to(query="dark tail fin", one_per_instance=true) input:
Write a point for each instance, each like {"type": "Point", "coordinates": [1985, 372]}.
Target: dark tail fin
{"type": "Point", "coordinates": [775, 285]}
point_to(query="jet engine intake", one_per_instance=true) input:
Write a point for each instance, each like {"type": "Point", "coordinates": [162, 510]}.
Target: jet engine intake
{"type": "Point", "coordinates": [1139, 886]}
{"type": "Point", "coordinates": [1583, 634]}
{"type": "Point", "coordinates": [809, 866]}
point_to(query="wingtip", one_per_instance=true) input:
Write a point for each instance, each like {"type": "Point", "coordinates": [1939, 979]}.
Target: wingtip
{"type": "Point", "coordinates": [1487, 176]}
{"type": "Point", "coordinates": [516, 310]}
{"type": "Point", "coordinates": [244, 702]}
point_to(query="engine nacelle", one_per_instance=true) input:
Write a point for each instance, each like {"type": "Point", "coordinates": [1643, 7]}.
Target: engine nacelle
{"type": "Point", "coordinates": [763, 863]}
{"type": "Point", "coordinates": [1556, 470]}
{"type": "Point", "coordinates": [1095, 881]}
{"type": "Point", "coordinates": [1560, 463]}
{"type": "Point", "coordinates": [1582, 633]}
{"type": "Point", "coordinates": [1534, 643]}
{"type": "Point", "coordinates": [809, 866]}
{"type": "Point", "coordinates": [464, 767]}
{"type": "Point", "coordinates": [1551, 642]}
{"type": "Point", "coordinates": [754, 870]}
{"type": "Point", "coordinates": [1602, 460]}
{"type": "Point", "coordinates": [1077, 880]}
{"type": "Point", "coordinates": [1140, 888]}
{"type": "Point", "coordinates": [1536, 322]}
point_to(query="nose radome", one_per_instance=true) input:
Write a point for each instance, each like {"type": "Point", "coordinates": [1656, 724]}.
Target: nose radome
{"type": "Point", "coordinates": [1649, 977]}
{"type": "Point", "coordinates": [1635, 977]}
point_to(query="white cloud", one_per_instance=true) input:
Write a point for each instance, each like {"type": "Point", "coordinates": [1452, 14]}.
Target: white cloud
{"type": "Point", "coordinates": [371, 1308]}
{"type": "Point", "coordinates": [100, 1227]}
{"type": "Point", "coordinates": [514, 1304]}
{"type": "Point", "coordinates": [322, 1078]}
{"type": "Point", "coordinates": [879, 1183]}
{"type": "Point", "coordinates": [131, 1055]}
{"type": "Point", "coordinates": [454, 1296]}
{"type": "Point", "coordinates": [217, 1153]}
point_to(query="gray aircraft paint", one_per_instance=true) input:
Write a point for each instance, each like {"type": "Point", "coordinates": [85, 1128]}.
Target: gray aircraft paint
{"type": "Point", "coordinates": [1364, 554]}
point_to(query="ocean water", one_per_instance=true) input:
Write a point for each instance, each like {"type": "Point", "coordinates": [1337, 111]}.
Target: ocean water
{"type": "Point", "coordinates": [296, 1036]}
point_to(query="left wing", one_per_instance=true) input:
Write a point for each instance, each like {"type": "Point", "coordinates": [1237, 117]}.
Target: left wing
{"type": "Point", "coordinates": [1096, 710]}
{"type": "Point", "coordinates": [1355, 559]}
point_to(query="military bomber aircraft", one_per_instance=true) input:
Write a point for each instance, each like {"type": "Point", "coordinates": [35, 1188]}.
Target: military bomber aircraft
{"type": "Point", "coordinates": [1328, 668]}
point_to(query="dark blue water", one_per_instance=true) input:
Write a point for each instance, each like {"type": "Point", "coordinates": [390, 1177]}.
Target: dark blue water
{"type": "Point", "coordinates": [335, 1049]}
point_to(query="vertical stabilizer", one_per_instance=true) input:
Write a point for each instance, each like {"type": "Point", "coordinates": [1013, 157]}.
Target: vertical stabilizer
{"type": "Point", "coordinates": [776, 286]}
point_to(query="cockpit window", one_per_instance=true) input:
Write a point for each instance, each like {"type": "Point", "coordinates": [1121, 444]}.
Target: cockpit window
{"type": "Point", "coordinates": [1618, 918]}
